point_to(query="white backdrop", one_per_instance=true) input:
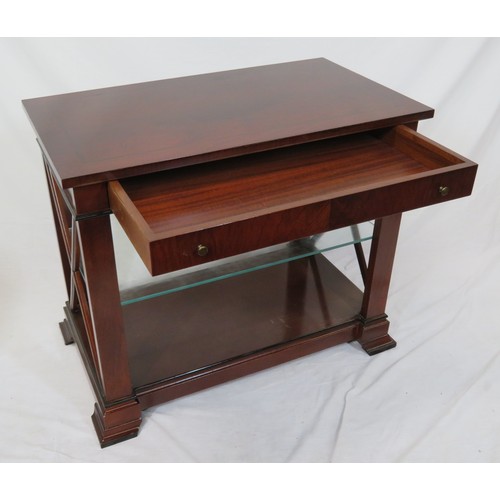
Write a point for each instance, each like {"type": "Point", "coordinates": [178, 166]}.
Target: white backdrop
{"type": "Point", "coordinates": [435, 398]}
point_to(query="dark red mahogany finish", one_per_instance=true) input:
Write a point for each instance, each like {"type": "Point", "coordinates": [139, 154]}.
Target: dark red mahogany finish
{"type": "Point", "coordinates": [203, 167]}
{"type": "Point", "coordinates": [125, 131]}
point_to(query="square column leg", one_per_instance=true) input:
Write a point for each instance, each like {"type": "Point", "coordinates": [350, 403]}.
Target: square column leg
{"type": "Point", "coordinates": [373, 330]}
{"type": "Point", "coordinates": [94, 317]}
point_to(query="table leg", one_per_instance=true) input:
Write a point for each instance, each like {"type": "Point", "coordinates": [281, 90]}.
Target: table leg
{"type": "Point", "coordinates": [96, 324]}
{"type": "Point", "coordinates": [117, 414]}
{"type": "Point", "coordinates": [62, 223]}
{"type": "Point", "coordinates": [374, 326]}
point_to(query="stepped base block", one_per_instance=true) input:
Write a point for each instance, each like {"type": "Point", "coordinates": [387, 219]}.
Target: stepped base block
{"type": "Point", "coordinates": [374, 337]}
{"type": "Point", "coordinates": [117, 423]}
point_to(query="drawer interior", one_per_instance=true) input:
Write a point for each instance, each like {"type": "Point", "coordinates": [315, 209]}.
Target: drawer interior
{"type": "Point", "coordinates": [229, 202]}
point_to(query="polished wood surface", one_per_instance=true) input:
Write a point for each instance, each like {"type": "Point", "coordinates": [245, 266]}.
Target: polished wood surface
{"type": "Point", "coordinates": [93, 314]}
{"type": "Point", "coordinates": [374, 327]}
{"type": "Point", "coordinates": [117, 132]}
{"type": "Point", "coordinates": [235, 317]}
{"type": "Point", "coordinates": [242, 204]}
{"type": "Point", "coordinates": [102, 286]}
{"type": "Point", "coordinates": [269, 154]}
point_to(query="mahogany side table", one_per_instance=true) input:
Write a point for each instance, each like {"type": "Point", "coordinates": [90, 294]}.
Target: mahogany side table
{"type": "Point", "coordinates": [230, 184]}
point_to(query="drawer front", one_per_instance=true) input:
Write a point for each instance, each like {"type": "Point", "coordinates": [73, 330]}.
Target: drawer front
{"type": "Point", "coordinates": [401, 197]}
{"type": "Point", "coordinates": [239, 237]}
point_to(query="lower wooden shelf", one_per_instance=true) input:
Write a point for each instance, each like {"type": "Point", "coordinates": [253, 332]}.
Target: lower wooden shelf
{"type": "Point", "coordinates": [193, 339]}
{"type": "Point", "coordinates": [196, 338]}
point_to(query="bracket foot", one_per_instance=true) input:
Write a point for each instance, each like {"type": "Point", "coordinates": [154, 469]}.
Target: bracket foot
{"type": "Point", "coordinates": [373, 336]}
{"type": "Point", "coordinates": [66, 332]}
{"type": "Point", "coordinates": [116, 423]}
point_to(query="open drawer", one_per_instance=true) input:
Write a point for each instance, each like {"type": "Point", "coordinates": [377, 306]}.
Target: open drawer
{"type": "Point", "coordinates": [185, 217]}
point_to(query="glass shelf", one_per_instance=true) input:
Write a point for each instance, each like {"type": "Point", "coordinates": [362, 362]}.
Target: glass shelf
{"type": "Point", "coordinates": [136, 284]}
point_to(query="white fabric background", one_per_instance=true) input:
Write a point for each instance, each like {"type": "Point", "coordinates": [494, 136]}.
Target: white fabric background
{"type": "Point", "coordinates": [435, 398]}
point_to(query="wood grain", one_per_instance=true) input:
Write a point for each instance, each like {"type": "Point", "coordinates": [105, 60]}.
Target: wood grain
{"type": "Point", "coordinates": [175, 334]}
{"type": "Point", "coordinates": [99, 268]}
{"type": "Point", "coordinates": [269, 154]}
{"type": "Point", "coordinates": [123, 131]}
{"type": "Point", "coordinates": [241, 204]}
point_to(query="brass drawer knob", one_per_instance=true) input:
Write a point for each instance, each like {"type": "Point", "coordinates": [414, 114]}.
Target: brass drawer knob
{"type": "Point", "coordinates": [202, 250]}
{"type": "Point", "coordinates": [444, 190]}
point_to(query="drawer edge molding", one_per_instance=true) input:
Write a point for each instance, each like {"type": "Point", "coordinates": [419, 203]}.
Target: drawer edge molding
{"type": "Point", "coordinates": [131, 221]}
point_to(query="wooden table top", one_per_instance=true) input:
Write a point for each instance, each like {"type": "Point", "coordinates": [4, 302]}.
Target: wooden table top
{"type": "Point", "coordinates": [124, 131]}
